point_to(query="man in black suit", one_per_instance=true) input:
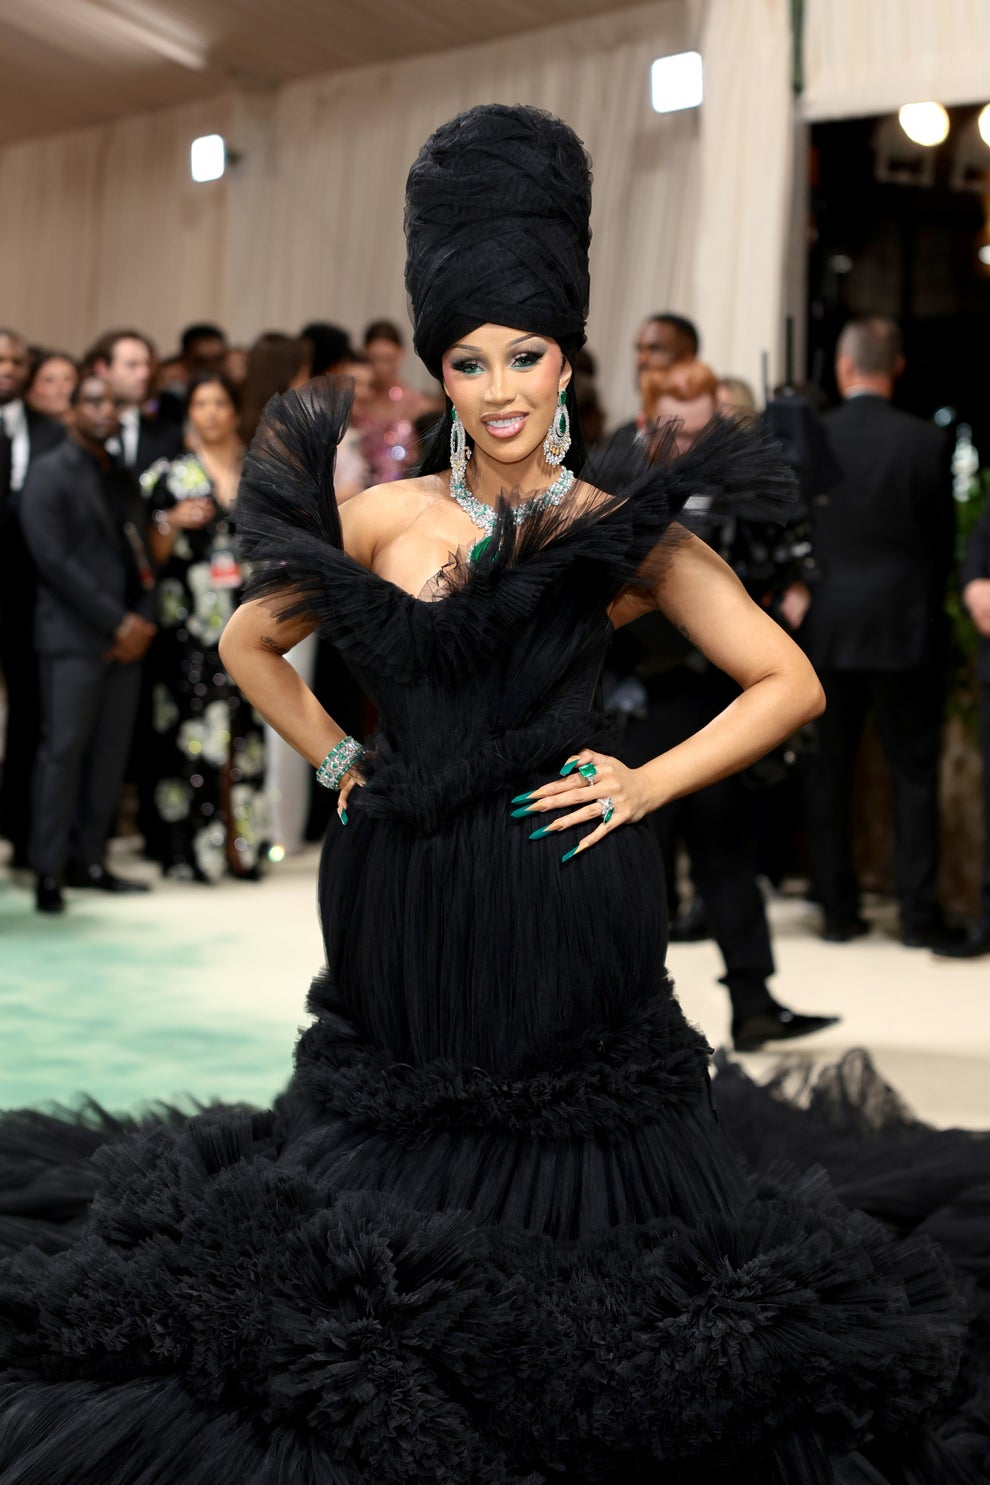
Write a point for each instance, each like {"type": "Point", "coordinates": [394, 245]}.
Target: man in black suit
{"type": "Point", "coordinates": [127, 359]}
{"type": "Point", "coordinates": [976, 597]}
{"type": "Point", "coordinates": [83, 520]}
{"type": "Point", "coordinates": [24, 435]}
{"type": "Point", "coordinates": [883, 540]}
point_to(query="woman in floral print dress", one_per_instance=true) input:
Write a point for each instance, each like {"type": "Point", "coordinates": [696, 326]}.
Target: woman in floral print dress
{"type": "Point", "coordinates": [209, 744]}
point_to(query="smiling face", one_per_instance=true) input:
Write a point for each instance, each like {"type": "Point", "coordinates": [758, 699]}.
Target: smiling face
{"type": "Point", "coordinates": [505, 385]}
{"type": "Point", "coordinates": [52, 387]}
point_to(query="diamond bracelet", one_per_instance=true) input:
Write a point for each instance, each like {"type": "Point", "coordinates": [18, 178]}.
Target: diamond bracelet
{"type": "Point", "coordinates": [340, 758]}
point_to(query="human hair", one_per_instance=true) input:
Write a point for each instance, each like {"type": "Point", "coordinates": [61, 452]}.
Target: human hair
{"type": "Point", "coordinates": [274, 362]}
{"type": "Point", "coordinates": [39, 361]}
{"type": "Point", "coordinates": [15, 335]}
{"type": "Point", "coordinates": [383, 330]}
{"type": "Point", "coordinates": [684, 381]}
{"type": "Point", "coordinates": [873, 343]}
{"type": "Point", "coordinates": [685, 328]}
{"type": "Point", "coordinates": [207, 379]}
{"type": "Point", "coordinates": [331, 345]}
{"type": "Point", "coordinates": [103, 348]}
{"type": "Point", "coordinates": [203, 331]}
{"type": "Point", "coordinates": [740, 394]}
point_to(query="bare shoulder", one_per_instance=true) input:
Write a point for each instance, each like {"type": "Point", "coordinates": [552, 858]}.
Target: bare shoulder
{"type": "Point", "coordinates": [373, 518]}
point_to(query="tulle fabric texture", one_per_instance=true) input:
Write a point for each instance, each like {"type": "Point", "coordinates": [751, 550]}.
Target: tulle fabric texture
{"type": "Point", "coordinates": [495, 1229]}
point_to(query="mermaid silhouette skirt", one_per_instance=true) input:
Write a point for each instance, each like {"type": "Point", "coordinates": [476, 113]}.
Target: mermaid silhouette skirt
{"type": "Point", "coordinates": [494, 1231]}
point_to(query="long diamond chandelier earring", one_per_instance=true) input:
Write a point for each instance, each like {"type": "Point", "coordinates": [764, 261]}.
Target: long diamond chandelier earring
{"type": "Point", "coordinates": [459, 451]}
{"type": "Point", "coordinates": [558, 439]}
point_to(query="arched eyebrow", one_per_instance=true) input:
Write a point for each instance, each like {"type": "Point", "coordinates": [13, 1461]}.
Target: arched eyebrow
{"type": "Point", "coordinates": [462, 345]}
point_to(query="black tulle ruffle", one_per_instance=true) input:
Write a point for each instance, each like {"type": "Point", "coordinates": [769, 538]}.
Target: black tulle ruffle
{"type": "Point", "coordinates": [613, 1080]}
{"type": "Point", "coordinates": [406, 1345]}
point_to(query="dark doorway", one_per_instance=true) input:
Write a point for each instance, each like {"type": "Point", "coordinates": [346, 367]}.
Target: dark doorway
{"type": "Point", "coordinates": [897, 229]}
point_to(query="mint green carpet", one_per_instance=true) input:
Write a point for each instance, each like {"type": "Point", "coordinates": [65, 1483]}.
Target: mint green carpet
{"type": "Point", "coordinates": [199, 992]}
{"type": "Point", "coordinates": [189, 991]}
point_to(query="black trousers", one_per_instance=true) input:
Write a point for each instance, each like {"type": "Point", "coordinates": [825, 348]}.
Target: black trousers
{"type": "Point", "coordinates": [87, 718]}
{"type": "Point", "coordinates": [717, 826]}
{"type": "Point", "coordinates": [20, 671]}
{"type": "Point", "coordinates": [985, 740]}
{"type": "Point", "coordinates": [907, 706]}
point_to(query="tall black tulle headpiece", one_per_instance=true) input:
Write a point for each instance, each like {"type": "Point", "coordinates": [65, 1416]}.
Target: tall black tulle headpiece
{"type": "Point", "coordinates": [497, 229]}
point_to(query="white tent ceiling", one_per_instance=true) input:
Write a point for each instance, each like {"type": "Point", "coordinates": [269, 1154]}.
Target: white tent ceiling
{"type": "Point", "coordinates": [68, 63]}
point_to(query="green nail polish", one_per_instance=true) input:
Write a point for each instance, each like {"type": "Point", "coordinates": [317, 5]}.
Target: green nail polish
{"type": "Point", "coordinates": [539, 834]}
{"type": "Point", "coordinates": [527, 809]}
{"type": "Point", "coordinates": [519, 799]}
{"type": "Point", "coordinates": [568, 768]}
{"type": "Point", "coordinates": [570, 854]}
{"type": "Point", "coordinates": [343, 817]}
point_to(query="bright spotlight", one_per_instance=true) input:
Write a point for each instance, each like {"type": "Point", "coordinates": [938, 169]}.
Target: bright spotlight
{"type": "Point", "coordinates": [983, 124]}
{"type": "Point", "coordinates": [208, 157]}
{"type": "Point", "coordinates": [984, 253]}
{"type": "Point", "coordinates": [676, 82]}
{"type": "Point", "coordinates": [925, 123]}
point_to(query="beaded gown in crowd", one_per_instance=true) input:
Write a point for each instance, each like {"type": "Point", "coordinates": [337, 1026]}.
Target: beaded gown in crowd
{"type": "Point", "coordinates": [494, 1231]}
{"type": "Point", "coordinates": [206, 746]}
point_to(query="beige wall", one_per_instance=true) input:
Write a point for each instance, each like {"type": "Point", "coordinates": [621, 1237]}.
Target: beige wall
{"type": "Point", "coordinates": [104, 226]}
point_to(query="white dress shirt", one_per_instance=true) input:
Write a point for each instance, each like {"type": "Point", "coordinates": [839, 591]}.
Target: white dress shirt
{"type": "Point", "coordinates": [15, 423]}
{"type": "Point", "coordinates": [130, 432]}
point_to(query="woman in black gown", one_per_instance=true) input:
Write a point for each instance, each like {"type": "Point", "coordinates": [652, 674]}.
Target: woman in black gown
{"type": "Point", "coordinates": [493, 1231]}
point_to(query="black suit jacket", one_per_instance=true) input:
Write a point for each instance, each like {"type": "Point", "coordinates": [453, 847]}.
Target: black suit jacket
{"type": "Point", "coordinates": [976, 564]}
{"type": "Point", "coordinates": [158, 438]}
{"type": "Point", "coordinates": [87, 574]}
{"type": "Point", "coordinates": [883, 541]}
{"type": "Point", "coordinates": [43, 434]}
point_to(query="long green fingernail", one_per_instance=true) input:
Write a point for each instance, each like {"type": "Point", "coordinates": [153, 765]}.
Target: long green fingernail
{"type": "Point", "coordinates": [539, 834]}
{"type": "Point", "coordinates": [568, 768]}
{"type": "Point", "coordinates": [343, 817]}
{"type": "Point", "coordinates": [521, 797]}
{"type": "Point", "coordinates": [570, 854]}
{"type": "Point", "coordinates": [527, 809]}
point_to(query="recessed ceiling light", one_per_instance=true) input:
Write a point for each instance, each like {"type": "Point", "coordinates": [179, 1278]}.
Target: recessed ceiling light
{"type": "Point", "coordinates": [925, 123]}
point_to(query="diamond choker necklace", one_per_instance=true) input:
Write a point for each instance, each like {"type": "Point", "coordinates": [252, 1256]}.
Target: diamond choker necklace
{"type": "Point", "coordinates": [484, 515]}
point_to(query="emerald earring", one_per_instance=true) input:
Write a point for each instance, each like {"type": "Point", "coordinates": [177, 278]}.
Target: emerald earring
{"type": "Point", "coordinates": [558, 439]}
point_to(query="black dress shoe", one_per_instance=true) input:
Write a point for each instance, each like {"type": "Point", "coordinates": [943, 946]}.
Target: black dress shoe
{"type": "Point", "coordinates": [975, 943]}
{"type": "Point", "coordinates": [691, 925]}
{"type": "Point", "coordinates": [842, 930]}
{"type": "Point", "coordinates": [937, 935]}
{"type": "Point", "coordinates": [48, 896]}
{"type": "Point", "coordinates": [103, 881]}
{"type": "Point", "coordinates": [775, 1024]}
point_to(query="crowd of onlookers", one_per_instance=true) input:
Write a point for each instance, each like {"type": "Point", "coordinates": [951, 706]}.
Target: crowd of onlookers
{"type": "Point", "coordinates": [118, 570]}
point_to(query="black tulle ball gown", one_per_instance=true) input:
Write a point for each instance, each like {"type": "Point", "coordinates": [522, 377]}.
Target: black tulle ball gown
{"type": "Point", "coordinates": [496, 1230]}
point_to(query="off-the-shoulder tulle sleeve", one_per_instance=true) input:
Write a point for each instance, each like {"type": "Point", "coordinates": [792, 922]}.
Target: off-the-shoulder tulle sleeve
{"type": "Point", "coordinates": [288, 524]}
{"type": "Point", "coordinates": [733, 470]}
